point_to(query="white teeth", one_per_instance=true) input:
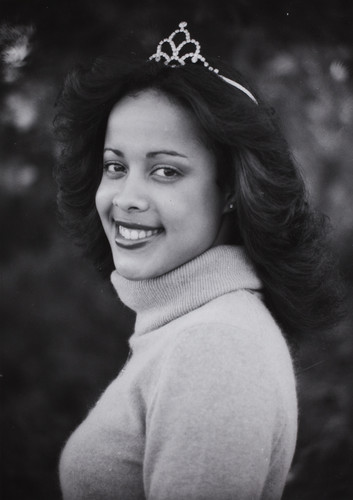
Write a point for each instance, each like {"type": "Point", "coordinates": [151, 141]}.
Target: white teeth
{"type": "Point", "coordinates": [134, 234]}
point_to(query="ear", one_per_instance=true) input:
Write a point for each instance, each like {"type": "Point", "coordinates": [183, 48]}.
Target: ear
{"type": "Point", "coordinates": [230, 205]}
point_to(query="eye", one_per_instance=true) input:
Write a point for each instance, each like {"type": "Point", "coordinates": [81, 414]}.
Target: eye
{"type": "Point", "coordinates": [114, 169]}
{"type": "Point", "coordinates": [166, 172]}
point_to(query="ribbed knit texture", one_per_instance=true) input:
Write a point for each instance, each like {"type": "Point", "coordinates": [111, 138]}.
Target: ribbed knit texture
{"type": "Point", "coordinates": [160, 300]}
{"type": "Point", "coordinates": [205, 408]}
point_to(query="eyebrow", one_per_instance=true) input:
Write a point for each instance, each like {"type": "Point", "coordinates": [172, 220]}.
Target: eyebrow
{"type": "Point", "coordinates": [151, 154]}
{"type": "Point", "coordinates": [169, 152]}
{"type": "Point", "coordinates": [115, 151]}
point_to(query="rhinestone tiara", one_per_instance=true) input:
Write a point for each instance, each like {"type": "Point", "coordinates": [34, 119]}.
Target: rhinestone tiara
{"type": "Point", "coordinates": [177, 55]}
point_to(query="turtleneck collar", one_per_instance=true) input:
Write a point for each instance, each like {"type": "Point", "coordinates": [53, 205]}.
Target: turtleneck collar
{"type": "Point", "coordinates": [157, 301]}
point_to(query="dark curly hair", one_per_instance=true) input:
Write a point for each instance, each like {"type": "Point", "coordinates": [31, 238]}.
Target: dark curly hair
{"type": "Point", "coordinates": [284, 237]}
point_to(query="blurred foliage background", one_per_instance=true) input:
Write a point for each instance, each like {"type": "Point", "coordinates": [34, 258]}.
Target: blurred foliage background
{"type": "Point", "coordinates": [63, 333]}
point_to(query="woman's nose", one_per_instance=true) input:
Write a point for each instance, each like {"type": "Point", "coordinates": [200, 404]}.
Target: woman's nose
{"type": "Point", "coordinates": [131, 196]}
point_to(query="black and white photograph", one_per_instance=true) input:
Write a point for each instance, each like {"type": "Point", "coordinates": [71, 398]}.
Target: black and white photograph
{"type": "Point", "coordinates": [176, 302]}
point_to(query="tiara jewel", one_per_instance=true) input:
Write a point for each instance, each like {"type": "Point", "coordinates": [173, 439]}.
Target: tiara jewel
{"type": "Point", "coordinates": [177, 54]}
{"type": "Point", "coordinates": [173, 52]}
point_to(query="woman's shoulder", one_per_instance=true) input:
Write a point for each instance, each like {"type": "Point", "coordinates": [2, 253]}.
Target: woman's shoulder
{"type": "Point", "coordinates": [236, 337]}
{"type": "Point", "coordinates": [235, 328]}
{"type": "Point", "coordinates": [222, 342]}
{"type": "Point", "coordinates": [236, 317]}
{"type": "Point", "coordinates": [248, 369]}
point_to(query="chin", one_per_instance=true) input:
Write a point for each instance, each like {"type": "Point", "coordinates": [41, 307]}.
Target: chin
{"type": "Point", "coordinates": [130, 274]}
{"type": "Point", "coordinates": [135, 272]}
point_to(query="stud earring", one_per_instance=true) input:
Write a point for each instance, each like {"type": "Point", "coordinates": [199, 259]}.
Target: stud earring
{"type": "Point", "coordinates": [231, 206]}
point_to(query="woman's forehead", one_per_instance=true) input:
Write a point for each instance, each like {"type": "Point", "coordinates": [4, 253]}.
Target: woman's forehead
{"type": "Point", "coordinates": [152, 116]}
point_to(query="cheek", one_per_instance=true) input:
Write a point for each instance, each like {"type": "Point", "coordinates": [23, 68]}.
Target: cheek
{"type": "Point", "coordinates": [102, 200]}
{"type": "Point", "coordinates": [209, 202]}
{"type": "Point", "coordinates": [98, 200]}
{"type": "Point", "coordinates": [199, 212]}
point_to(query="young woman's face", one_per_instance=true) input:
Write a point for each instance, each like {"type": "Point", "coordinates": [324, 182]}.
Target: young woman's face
{"type": "Point", "coordinates": [158, 199]}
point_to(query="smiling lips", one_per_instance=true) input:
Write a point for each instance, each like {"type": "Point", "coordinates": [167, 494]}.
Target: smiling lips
{"type": "Point", "coordinates": [136, 234]}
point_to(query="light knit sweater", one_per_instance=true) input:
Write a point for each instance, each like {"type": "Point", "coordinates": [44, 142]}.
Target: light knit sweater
{"type": "Point", "coordinates": [206, 406]}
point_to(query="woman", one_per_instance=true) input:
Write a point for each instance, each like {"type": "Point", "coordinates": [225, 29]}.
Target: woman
{"type": "Point", "coordinates": [175, 175]}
